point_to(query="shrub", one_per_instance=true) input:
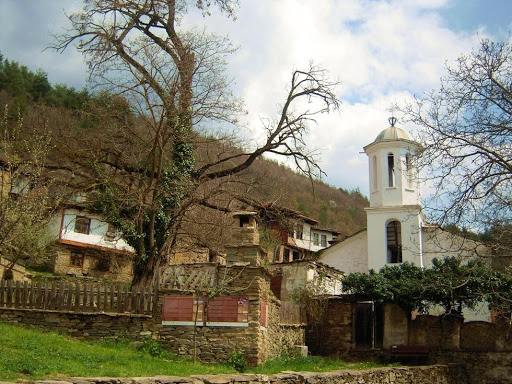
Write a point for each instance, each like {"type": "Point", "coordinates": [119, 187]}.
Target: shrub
{"type": "Point", "coordinates": [238, 361]}
{"type": "Point", "coordinates": [152, 348]}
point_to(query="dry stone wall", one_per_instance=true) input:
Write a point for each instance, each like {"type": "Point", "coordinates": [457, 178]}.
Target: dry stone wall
{"type": "Point", "coordinates": [400, 375]}
{"type": "Point", "coordinates": [282, 338]}
{"type": "Point", "coordinates": [88, 326]}
{"type": "Point", "coordinates": [334, 336]}
{"type": "Point", "coordinates": [216, 343]}
{"type": "Point", "coordinates": [479, 367]}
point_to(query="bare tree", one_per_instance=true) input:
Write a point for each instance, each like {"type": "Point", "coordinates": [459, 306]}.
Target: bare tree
{"type": "Point", "coordinates": [144, 174]}
{"type": "Point", "coordinates": [467, 139]}
{"type": "Point", "coordinates": [26, 200]}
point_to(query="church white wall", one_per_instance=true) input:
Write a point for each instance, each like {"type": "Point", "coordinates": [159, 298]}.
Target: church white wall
{"type": "Point", "coordinates": [440, 244]}
{"type": "Point", "coordinates": [349, 256]}
{"type": "Point", "coordinates": [377, 220]}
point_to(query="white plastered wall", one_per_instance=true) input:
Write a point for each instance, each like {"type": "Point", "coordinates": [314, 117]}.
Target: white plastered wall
{"type": "Point", "coordinates": [410, 219]}
{"type": "Point", "coordinates": [349, 256]}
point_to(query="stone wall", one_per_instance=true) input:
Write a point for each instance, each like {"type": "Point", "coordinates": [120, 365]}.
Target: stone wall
{"type": "Point", "coordinates": [282, 338]}
{"type": "Point", "coordinates": [216, 343]}
{"type": "Point", "coordinates": [399, 375]}
{"type": "Point", "coordinates": [395, 326]}
{"type": "Point", "coordinates": [99, 264]}
{"type": "Point", "coordinates": [442, 332]}
{"type": "Point", "coordinates": [479, 367]}
{"type": "Point", "coordinates": [486, 337]}
{"type": "Point", "coordinates": [334, 336]}
{"type": "Point", "coordinates": [257, 331]}
{"type": "Point", "coordinates": [83, 325]}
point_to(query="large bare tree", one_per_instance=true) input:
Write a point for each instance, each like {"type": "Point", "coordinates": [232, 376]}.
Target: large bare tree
{"type": "Point", "coordinates": [467, 141]}
{"type": "Point", "coordinates": [141, 162]}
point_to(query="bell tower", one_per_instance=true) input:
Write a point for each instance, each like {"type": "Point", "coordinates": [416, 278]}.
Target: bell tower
{"type": "Point", "coordinates": [394, 218]}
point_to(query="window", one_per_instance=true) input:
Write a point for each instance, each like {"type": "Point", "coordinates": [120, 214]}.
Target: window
{"type": "Point", "coordinates": [394, 242]}
{"type": "Point", "coordinates": [374, 173]}
{"type": "Point", "coordinates": [21, 185]}
{"type": "Point", "coordinates": [77, 259]}
{"type": "Point", "coordinates": [244, 220]}
{"type": "Point", "coordinates": [408, 166]}
{"type": "Point", "coordinates": [316, 239]}
{"type": "Point", "coordinates": [323, 240]}
{"type": "Point", "coordinates": [299, 230]}
{"type": "Point", "coordinates": [263, 314]}
{"type": "Point", "coordinates": [391, 170]}
{"type": "Point", "coordinates": [82, 224]}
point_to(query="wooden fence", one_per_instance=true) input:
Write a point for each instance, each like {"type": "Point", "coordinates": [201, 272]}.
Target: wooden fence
{"type": "Point", "coordinates": [76, 297]}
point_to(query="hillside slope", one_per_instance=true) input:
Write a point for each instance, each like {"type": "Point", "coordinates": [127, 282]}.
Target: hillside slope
{"type": "Point", "coordinates": [58, 107]}
{"type": "Point", "coordinates": [334, 208]}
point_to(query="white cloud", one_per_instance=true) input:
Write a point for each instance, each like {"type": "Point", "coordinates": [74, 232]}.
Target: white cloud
{"type": "Point", "coordinates": [382, 50]}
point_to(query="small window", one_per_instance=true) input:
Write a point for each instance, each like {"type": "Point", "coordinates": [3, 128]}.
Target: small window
{"type": "Point", "coordinates": [21, 186]}
{"type": "Point", "coordinates": [316, 239]}
{"type": "Point", "coordinates": [410, 175]}
{"type": "Point", "coordinates": [299, 231]}
{"type": "Point", "coordinates": [323, 240]}
{"type": "Point", "coordinates": [82, 224]}
{"type": "Point", "coordinates": [391, 170]}
{"type": "Point", "coordinates": [77, 259]}
{"type": "Point", "coordinates": [244, 220]}
{"type": "Point", "coordinates": [394, 242]}
{"type": "Point", "coordinates": [374, 173]}
{"type": "Point", "coordinates": [263, 314]}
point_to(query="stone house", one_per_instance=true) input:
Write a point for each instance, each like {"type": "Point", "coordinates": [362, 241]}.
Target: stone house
{"type": "Point", "coordinates": [209, 310]}
{"type": "Point", "coordinates": [298, 237]}
{"type": "Point", "coordinates": [86, 245]}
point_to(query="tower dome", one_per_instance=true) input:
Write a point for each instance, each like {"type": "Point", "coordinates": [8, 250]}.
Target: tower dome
{"type": "Point", "coordinates": [392, 133]}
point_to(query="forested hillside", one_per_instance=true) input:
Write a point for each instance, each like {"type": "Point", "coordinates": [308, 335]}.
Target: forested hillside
{"type": "Point", "coordinates": [77, 113]}
{"type": "Point", "coordinates": [334, 208]}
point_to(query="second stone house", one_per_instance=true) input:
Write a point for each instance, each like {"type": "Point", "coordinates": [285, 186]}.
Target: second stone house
{"type": "Point", "coordinates": [86, 245]}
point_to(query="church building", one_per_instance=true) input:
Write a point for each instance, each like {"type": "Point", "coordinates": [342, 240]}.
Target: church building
{"type": "Point", "coordinates": [397, 230]}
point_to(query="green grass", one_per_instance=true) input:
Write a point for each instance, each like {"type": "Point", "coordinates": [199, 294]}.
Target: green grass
{"type": "Point", "coordinates": [34, 354]}
{"type": "Point", "coordinates": [31, 354]}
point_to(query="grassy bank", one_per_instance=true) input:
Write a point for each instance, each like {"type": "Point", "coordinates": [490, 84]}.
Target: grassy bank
{"type": "Point", "coordinates": [27, 353]}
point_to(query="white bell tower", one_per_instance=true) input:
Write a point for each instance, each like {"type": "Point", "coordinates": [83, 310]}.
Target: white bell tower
{"type": "Point", "coordinates": [394, 218]}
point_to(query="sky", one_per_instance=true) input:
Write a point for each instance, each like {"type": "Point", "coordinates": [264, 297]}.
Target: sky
{"type": "Point", "coordinates": [382, 51]}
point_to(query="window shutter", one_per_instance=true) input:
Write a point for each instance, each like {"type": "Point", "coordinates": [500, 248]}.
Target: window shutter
{"type": "Point", "coordinates": [223, 310]}
{"type": "Point", "coordinates": [228, 309]}
{"type": "Point", "coordinates": [263, 314]}
{"type": "Point", "coordinates": [178, 308]}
